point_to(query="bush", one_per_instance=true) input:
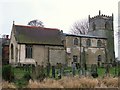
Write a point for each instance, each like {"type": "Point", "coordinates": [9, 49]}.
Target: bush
{"type": "Point", "coordinates": [39, 73]}
{"type": "Point", "coordinates": [7, 73]}
{"type": "Point", "coordinates": [27, 76]}
{"type": "Point", "coordinates": [94, 75]}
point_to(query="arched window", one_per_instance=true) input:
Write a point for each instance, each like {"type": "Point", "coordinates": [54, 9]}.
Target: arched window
{"type": "Point", "coordinates": [99, 58]}
{"type": "Point", "coordinates": [94, 26]}
{"type": "Point", "coordinates": [107, 25]}
{"type": "Point", "coordinates": [12, 52]}
{"type": "Point", "coordinates": [75, 41]}
{"type": "Point", "coordinates": [88, 42]}
{"type": "Point", "coordinates": [75, 58]}
{"type": "Point", "coordinates": [99, 43]}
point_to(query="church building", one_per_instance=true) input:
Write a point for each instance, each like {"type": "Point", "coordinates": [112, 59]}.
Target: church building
{"type": "Point", "coordinates": [97, 47]}
{"type": "Point", "coordinates": [40, 45]}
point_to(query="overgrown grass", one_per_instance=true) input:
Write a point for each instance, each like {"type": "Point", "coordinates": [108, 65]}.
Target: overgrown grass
{"type": "Point", "coordinates": [75, 82]}
{"type": "Point", "coordinates": [69, 82]}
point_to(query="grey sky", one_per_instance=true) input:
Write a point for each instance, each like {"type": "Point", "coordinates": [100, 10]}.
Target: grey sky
{"type": "Point", "coordinates": [53, 13]}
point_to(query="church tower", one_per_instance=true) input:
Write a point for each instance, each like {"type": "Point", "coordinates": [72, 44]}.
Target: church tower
{"type": "Point", "coordinates": [102, 26]}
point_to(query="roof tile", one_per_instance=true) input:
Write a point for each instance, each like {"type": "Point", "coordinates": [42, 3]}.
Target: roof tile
{"type": "Point", "coordinates": [37, 35]}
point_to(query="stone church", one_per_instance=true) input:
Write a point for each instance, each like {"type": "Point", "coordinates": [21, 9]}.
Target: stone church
{"type": "Point", "coordinates": [97, 47]}
{"type": "Point", "coordinates": [31, 45]}
{"type": "Point", "coordinates": [35, 45]}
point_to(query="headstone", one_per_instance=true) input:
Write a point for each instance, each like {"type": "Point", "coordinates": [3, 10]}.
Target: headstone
{"type": "Point", "coordinates": [59, 73]}
{"type": "Point", "coordinates": [85, 66]}
{"type": "Point", "coordinates": [62, 70]}
{"type": "Point", "coordinates": [26, 67]}
{"type": "Point", "coordinates": [107, 69]}
{"type": "Point", "coordinates": [48, 69]}
{"type": "Point", "coordinates": [73, 68]}
{"type": "Point", "coordinates": [59, 66]}
{"type": "Point", "coordinates": [33, 68]}
{"type": "Point", "coordinates": [38, 72]}
{"type": "Point", "coordinates": [53, 71]}
{"type": "Point", "coordinates": [34, 72]}
{"type": "Point", "coordinates": [94, 70]}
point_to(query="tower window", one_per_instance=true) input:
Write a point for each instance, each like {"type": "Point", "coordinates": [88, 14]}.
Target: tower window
{"type": "Point", "coordinates": [75, 41]}
{"type": "Point", "coordinates": [99, 60]}
{"type": "Point", "coordinates": [107, 25]}
{"type": "Point", "coordinates": [94, 26]}
{"type": "Point", "coordinates": [99, 43]}
{"type": "Point", "coordinates": [75, 58]}
{"type": "Point", "coordinates": [88, 42]}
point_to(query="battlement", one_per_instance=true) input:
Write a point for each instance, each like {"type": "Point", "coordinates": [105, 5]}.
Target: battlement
{"type": "Point", "coordinates": [101, 16]}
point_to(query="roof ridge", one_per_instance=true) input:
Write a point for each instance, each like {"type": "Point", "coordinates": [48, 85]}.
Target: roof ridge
{"type": "Point", "coordinates": [44, 28]}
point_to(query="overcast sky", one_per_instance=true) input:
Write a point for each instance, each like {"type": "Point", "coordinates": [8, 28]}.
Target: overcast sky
{"type": "Point", "coordinates": [59, 14]}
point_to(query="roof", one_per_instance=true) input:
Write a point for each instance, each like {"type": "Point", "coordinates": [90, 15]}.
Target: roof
{"type": "Point", "coordinates": [4, 41]}
{"type": "Point", "coordinates": [37, 35]}
{"type": "Point", "coordinates": [85, 36]}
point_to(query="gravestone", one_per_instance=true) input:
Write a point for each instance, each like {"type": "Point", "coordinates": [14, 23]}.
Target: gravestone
{"type": "Point", "coordinates": [27, 67]}
{"type": "Point", "coordinates": [38, 73]}
{"type": "Point", "coordinates": [94, 73]}
{"type": "Point", "coordinates": [107, 69]}
{"type": "Point", "coordinates": [48, 69]}
{"type": "Point", "coordinates": [53, 71]}
{"type": "Point", "coordinates": [33, 68]}
{"type": "Point", "coordinates": [59, 67]}
{"type": "Point", "coordinates": [73, 68]}
{"type": "Point", "coordinates": [33, 72]}
{"type": "Point", "coordinates": [62, 69]}
{"type": "Point", "coordinates": [85, 66]}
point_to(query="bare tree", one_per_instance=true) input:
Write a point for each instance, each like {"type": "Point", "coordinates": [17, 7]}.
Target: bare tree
{"type": "Point", "coordinates": [36, 23]}
{"type": "Point", "coordinates": [80, 27]}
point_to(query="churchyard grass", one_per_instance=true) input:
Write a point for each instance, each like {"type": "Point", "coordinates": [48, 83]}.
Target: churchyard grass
{"type": "Point", "coordinates": [21, 82]}
{"type": "Point", "coordinates": [19, 72]}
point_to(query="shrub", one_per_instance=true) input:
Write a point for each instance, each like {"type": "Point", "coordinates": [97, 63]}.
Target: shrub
{"type": "Point", "coordinates": [95, 75]}
{"type": "Point", "coordinates": [39, 73]}
{"type": "Point", "coordinates": [27, 76]}
{"type": "Point", "coordinates": [7, 73]}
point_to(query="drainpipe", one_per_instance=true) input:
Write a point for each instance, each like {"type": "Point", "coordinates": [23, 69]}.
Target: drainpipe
{"type": "Point", "coordinates": [84, 60]}
{"type": "Point", "coordinates": [48, 55]}
{"type": "Point", "coordinates": [19, 53]}
{"type": "Point", "coordinates": [80, 53]}
{"type": "Point", "coordinates": [106, 53]}
{"type": "Point", "coordinates": [81, 60]}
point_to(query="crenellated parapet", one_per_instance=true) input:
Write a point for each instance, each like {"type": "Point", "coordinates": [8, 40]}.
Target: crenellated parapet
{"type": "Point", "coordinates": [101, 16]}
